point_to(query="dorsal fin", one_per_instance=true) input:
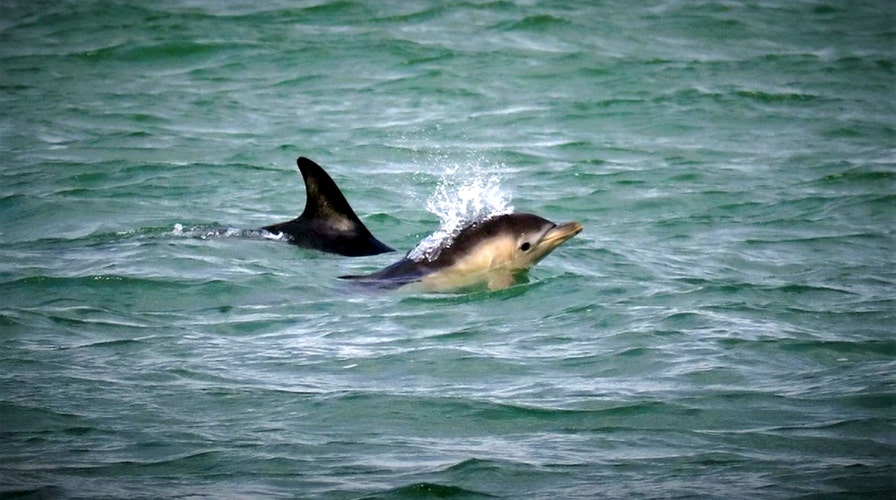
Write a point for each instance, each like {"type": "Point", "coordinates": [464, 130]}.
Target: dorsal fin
{"type": "Point", "coordinates": [328, 222]}
{"type": "Point", "coordinates": [324, 200]}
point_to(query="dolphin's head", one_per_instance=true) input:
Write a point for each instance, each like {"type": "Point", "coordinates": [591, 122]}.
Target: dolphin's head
{"type": "Point", "coordinates": [500, 246]}
{"type": "Point", "coordinates": [525, 239]}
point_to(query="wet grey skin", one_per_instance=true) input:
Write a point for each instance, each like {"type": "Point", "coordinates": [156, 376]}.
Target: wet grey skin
{"type": "Point", "coordinates": [490, 253]}
{"type": "Point", "coordinates": [328, 222]}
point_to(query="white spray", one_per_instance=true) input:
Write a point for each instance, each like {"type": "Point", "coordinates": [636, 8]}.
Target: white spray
{"type": "Point", "coordinates": [465, 194]}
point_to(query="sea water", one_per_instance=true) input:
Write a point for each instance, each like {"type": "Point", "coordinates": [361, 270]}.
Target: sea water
{"type": "Point", "coordinates": [723, 327]}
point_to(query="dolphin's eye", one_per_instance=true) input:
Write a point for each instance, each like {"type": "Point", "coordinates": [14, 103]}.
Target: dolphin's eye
{"type": "Point", "coordinates": [525, 246]}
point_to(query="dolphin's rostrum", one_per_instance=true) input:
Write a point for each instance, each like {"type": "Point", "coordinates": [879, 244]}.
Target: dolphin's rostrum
{"type": "Point", "coordinates": [328, 222]}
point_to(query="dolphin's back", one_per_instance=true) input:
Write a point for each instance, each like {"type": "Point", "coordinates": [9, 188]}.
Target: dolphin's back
{"type": "Point", "coordinates": [396, 275]}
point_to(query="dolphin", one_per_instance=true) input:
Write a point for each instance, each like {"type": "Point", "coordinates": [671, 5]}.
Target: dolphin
{"type": "Point", "coordinates": [328, 222]}
{"type": "Point", "coordinates": [491, 253]}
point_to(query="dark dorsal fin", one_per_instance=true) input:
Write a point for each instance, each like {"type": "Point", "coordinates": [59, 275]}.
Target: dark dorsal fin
{"type": "Point", "coordinates": [323, 199]}
{"type": "Point", "coordinates": [328, 222]}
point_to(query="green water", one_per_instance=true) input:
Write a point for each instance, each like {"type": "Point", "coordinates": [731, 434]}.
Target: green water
{"type": "Point", "coordinates": [723, 327]}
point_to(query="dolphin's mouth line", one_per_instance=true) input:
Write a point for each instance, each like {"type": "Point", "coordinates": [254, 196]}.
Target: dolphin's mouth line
{"type": "Point", "coordinates": [559, 234]}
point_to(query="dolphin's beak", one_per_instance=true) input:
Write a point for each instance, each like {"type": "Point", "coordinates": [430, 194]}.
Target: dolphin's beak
{"type": "Point", "coordinates": [558, 234]}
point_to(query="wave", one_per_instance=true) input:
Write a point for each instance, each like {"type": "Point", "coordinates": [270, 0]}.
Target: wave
{"type": "Point", "coordinates": [538, 23]}
{"type": "Point", "coordinates": [427, 490]}
{"type": "Point", "coordinates": [164, 53]}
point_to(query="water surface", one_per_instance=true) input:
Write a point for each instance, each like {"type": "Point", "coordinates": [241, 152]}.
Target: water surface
{"type": "Point", "coordinates": [723, 327]}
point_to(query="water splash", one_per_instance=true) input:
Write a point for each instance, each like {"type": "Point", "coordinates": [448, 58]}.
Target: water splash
{"type": "Point", "coordinates": [465, 194]}
{"type": "Point", "coordinates": [206, 232]}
